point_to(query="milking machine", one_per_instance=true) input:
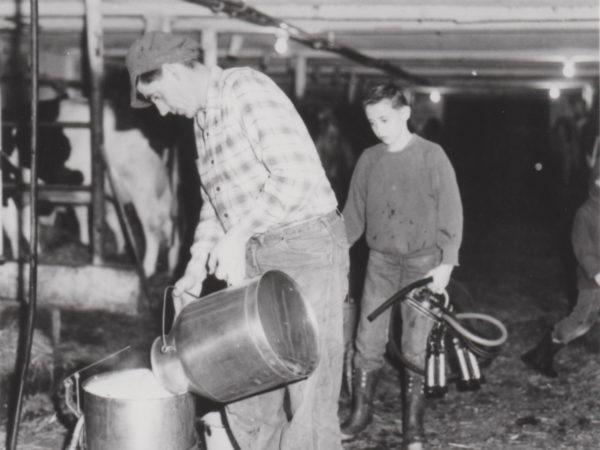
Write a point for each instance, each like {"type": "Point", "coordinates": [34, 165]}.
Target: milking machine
{"type": "Point", "coordinates": [449, 340]}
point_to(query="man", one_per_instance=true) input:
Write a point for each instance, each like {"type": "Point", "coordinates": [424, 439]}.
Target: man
{"type": "Point", "coordinates": [267, 204]}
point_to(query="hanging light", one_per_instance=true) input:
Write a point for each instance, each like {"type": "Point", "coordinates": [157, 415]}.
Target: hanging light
{"type": "Point", "coordinates": [568, 69]}
{"type": "Point", "coordinates": [587, 94]}
{"type": "Point", "coordinates": [554, 93]}
{"type": "Point", "coordinates": [435, 96]}
{"type": "Point", "coordinates": [282, 44]}
{"type": "Point", "coordinates": [235, 46]}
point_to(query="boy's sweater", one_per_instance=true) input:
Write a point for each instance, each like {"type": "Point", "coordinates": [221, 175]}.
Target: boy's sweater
{"type": "Point", "coordinates": [407, 202]}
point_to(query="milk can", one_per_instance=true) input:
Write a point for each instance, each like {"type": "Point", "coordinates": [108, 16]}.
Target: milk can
{"type": "Point", "coordinates": [239, 341]}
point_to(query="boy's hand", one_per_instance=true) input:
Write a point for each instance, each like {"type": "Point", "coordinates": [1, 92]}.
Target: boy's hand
{"type": "Point", "coordinates": [227, 260]}
{"type": "Point", "coordinates": [441, 277]}
{"type": "Point", "coordinates": [188, 287]}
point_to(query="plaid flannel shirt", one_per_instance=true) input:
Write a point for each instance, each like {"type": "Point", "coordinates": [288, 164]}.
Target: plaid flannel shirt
{"type": "Point", "coordinates": [258, 165]}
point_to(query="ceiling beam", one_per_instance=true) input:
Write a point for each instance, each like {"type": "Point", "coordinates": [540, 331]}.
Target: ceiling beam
{"type": "Point", "coordinates": [448, 12]}
{"type": "Point", "coordinates": [326, 17]}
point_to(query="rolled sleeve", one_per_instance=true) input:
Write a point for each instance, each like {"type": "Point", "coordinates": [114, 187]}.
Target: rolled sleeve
{"type": "Point", "coordinates": [208, 231]}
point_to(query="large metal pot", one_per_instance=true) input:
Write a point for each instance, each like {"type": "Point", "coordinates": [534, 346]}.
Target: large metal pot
{"type": "Point", "coordinates": [239, 341]}
{"type": "Point", "coordinates": [129, 410]}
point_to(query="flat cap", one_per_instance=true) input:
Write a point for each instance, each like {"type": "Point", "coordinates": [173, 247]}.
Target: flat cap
{"type": "Point", "coordinates": [151, 51]}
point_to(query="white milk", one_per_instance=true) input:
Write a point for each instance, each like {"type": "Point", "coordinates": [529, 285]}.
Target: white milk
{"type": "Point", "coordinates": [127, 384]}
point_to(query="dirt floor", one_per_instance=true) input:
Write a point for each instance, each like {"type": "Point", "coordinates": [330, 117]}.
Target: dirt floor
{"type": "Point", "coordinates": [512, 271]}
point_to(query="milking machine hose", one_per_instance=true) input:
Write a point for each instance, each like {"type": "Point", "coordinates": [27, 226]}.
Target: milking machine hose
{"type": "Point", "coordinates": [450, 318]}
{"type": "Point", "coordinates": [470, 336]}
{"type": "Point", "coordinates": [398, 296]}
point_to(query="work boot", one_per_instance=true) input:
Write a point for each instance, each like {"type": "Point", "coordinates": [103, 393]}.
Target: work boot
{"type": "Point", "coordinates": [413, 410]}
{"type": "Point", "coordinates": [541, 357]}
{"type": "Point", "coordinates": [362, 405]}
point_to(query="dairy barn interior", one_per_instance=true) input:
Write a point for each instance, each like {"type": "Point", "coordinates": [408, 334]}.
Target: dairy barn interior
{"type": "Point", "coordinates": [508, 88]}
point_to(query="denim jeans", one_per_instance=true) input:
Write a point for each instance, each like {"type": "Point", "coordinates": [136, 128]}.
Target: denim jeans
{"type": "Point", "coordinates": [386, 275]}
{"type": "Point", "coordinates": [304, 414]}
{"type": "Point", "coordinates": [582, 318]}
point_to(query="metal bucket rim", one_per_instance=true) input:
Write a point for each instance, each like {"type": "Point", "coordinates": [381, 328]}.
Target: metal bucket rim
{"type": "Point", "coordinates": [168, 396]}
{"type": "Point", "coordinates": [266, 348]}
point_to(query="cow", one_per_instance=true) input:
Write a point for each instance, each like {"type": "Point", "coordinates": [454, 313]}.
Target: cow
{"type": "Point", "coordinates": [140, 176]}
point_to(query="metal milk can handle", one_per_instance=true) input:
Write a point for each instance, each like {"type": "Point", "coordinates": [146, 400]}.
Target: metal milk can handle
{"type": "Point", "coordinates": [166, 348]}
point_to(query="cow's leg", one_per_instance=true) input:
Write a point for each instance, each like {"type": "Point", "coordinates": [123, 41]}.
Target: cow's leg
{"type": "Point", "coordinates": [25, 226]}
{"type": "Point", "coordinates": [174, 247]}
{"type": "Point", "coordinates": [152, 234]}
{"type": "Point", "coordinates": [50, 220]}
{"type": "Point", "coordinates": [81, 213]}
{"type": "Point", "coordinates": [10, 224]}
{"type": "Point", "coordinates": [112, 220]}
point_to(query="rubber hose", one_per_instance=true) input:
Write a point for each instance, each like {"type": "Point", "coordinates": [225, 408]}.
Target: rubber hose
{"type": "Point", "coordinates": [76, 433]}
{"type": "Point", "coordinates": [473, 337]}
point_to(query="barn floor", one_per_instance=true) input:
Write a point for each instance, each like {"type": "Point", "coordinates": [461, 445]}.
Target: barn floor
{"type": "Point", "coordinates": [510, 268]}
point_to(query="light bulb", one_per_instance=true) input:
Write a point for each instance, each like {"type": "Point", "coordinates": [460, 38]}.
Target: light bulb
{"type": "Point", "coordinates": [281, 45]}
{"type": "Point", "coordinates": [435, 96]}
{"type": "Point", "coordinates": [568, 69]}
{"type": "Point", "coordinates": [554, 93]}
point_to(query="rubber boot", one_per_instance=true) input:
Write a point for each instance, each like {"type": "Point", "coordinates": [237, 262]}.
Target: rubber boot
{"type": "Point", "coordinates": [541, 357]}
{"type": "Point", "coordinates": [362, 405]}
{"type": "Point", "coordinates": [413, 410]}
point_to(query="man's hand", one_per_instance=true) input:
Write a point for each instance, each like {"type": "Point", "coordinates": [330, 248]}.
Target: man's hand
{"type": "Point", "coordinates": [441, 277]}
{"type": "Point", "coordinates": [227, 260]}
{"type": "Point", "coordinates": [188, 287]}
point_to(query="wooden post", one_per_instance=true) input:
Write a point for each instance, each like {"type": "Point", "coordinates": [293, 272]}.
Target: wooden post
{"type": "Point", "coordinates": [55, 317]}
{"type": "Point", "coordinates": [95, 53]}
{"type": "Point", "coordinates": [352, 87]}
{"type": "Point", "coordinates": [1, 183]}
{"type": "Point", "coordinates": [210, 47]}
{"type": "Point", "coordinates": [300, 77]}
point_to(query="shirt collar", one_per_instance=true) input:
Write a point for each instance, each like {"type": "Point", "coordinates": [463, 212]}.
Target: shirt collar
{"type": "Point", "coordinates": [212, 94]}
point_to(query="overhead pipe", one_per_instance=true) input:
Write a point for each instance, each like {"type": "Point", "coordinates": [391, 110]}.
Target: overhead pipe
{"type": "Point", "coordinates": [240, 10]}
{"type": "Point", "coordinates": [24, 354]}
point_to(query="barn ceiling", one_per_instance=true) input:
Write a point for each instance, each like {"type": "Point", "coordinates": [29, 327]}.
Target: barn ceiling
{"type": "Point", "coordinates": [484, 43]}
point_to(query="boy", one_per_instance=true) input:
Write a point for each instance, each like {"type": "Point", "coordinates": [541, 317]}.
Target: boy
{"type": "Point", "coordinates": [585, 238]}
{"type": "Point", "coordinates": [404, 196]}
